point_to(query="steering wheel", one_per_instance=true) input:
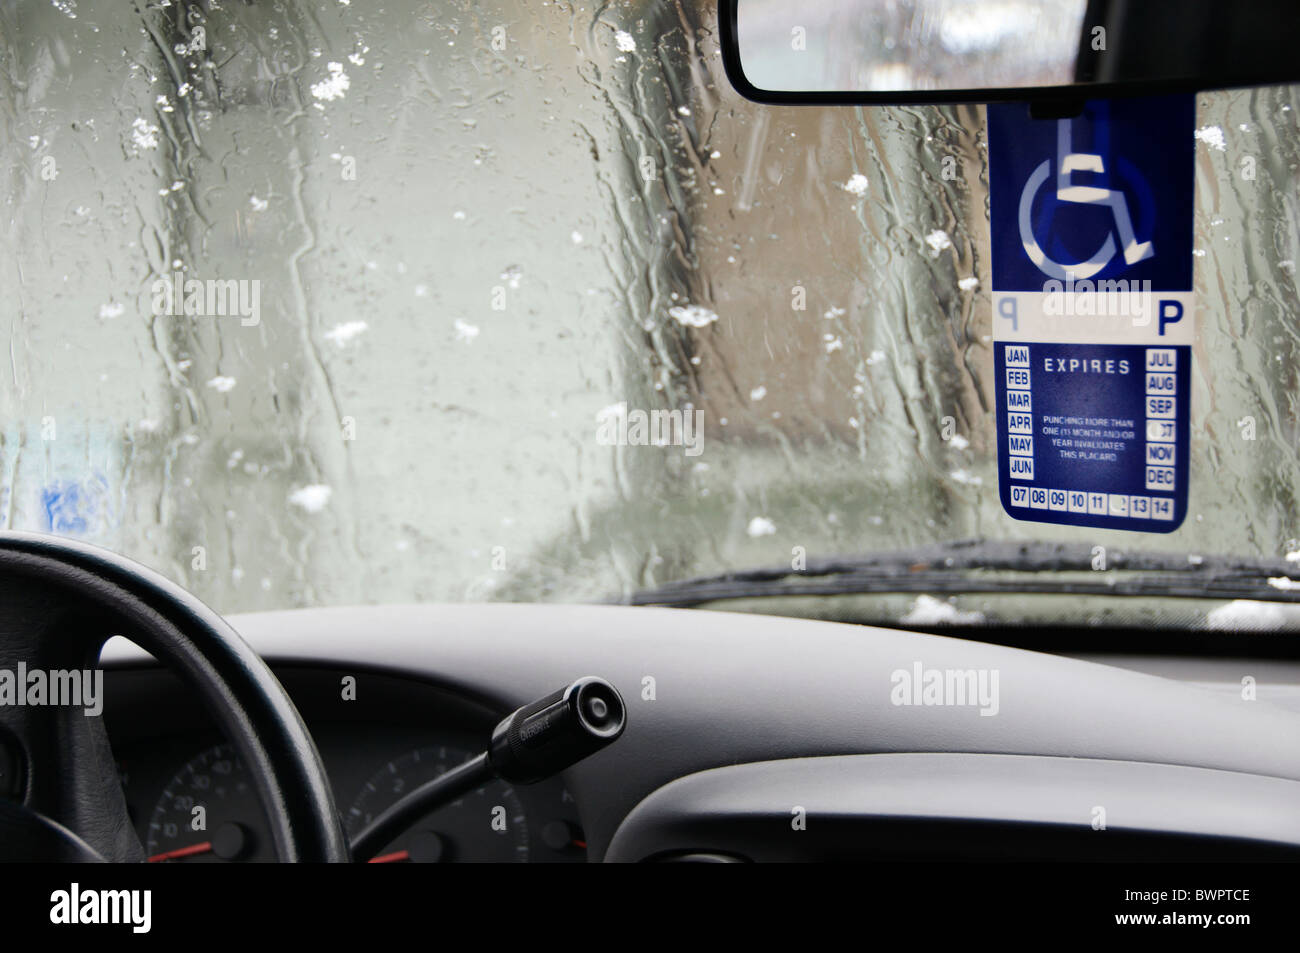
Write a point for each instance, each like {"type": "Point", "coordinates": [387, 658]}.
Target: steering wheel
{"type": "Point", "coordinates": [60, 600]}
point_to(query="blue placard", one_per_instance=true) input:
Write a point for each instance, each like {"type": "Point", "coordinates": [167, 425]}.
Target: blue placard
{"type": "Point", "coordinates": [1091, 222]}
{"type": "Point", "coordinates": [1146, 150]}
{"type": "Point", "coordinates": [1094, 434]}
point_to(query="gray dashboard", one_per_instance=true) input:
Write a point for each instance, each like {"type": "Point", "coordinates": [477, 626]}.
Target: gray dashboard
{"type": "Point", "coordinates": [710, 690]}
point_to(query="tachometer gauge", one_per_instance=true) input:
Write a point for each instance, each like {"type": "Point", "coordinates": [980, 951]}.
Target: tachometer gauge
{"type": "Point", "coordinates": [209, 812]}
{"type": "Point", "coordinates": [486, 825]}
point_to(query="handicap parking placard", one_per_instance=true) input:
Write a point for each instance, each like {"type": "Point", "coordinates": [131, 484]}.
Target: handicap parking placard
{"type": "Point", "coordinates": [1091, 220]}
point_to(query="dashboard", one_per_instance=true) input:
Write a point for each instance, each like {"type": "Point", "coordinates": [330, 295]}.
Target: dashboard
{"type": "Point", "coordinates": [191, 800]}
{"type": "Point", "coordinates": [734, 721]}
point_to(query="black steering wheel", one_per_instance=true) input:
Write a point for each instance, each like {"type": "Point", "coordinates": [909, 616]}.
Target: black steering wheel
{"type": "Point", "coordinates": [59, 601]}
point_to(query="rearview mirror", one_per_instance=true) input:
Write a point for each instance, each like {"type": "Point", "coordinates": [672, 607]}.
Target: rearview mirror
{"type": "Point", "coordinates": [899, 51]}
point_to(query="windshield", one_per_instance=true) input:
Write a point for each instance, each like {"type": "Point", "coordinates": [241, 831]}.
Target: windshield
{"type": "Point", "coordinates": [319, 303]}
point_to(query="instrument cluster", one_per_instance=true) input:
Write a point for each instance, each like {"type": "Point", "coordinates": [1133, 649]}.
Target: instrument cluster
{"type": "Point", "coordinates": [192, 800]}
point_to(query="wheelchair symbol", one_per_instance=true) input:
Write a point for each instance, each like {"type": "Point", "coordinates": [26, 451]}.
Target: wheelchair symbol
{"type": "Point", "coordinates": [1067, 163]}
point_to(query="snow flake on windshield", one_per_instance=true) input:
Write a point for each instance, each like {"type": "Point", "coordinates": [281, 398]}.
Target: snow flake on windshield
{"type": "Point", "coordinates": [1212, 136]}
{"type": "Point", "coordinates": [927, 610]}
{"type": "Point", "coordinates": [222, 385]}
{"type": "Point", "coordinates": [760, 526]}
{"type": "Point", "coordinates": [341, 334]}
{"type": "Point", "coordinates": [856, 185]}
{"type": "Point", "coordinates": [335, 86]}
{"type": "Point", "coordinates": [938, 240]}
{"type": "Point", "coordinates": [312, 498]}
{"type": "Point", "coordinates": [464, 331]}
{"type": "Point", "coordinates": [624, 41]}
{"type": "Point", "coordinates": [1250, 615]}
{"type": "Point", "coordinates": [693, 315]}
{"type": "Point", "coordinates": [143, 134]}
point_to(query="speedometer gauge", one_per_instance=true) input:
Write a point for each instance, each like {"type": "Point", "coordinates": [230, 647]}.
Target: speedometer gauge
{"type": "Point", "coordinates": [486, 825]}
{"type": "Point", "coordinates": [209, 812]}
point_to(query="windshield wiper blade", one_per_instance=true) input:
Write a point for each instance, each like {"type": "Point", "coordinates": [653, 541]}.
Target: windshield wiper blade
{"type": "Point", "coordinates": [978, 566]}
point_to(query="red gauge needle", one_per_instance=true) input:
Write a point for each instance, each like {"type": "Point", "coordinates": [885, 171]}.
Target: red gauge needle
{"type": "Point", "coordinates": [180, 852]}
{"type": "Point", "coordinates": [395, 857]}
